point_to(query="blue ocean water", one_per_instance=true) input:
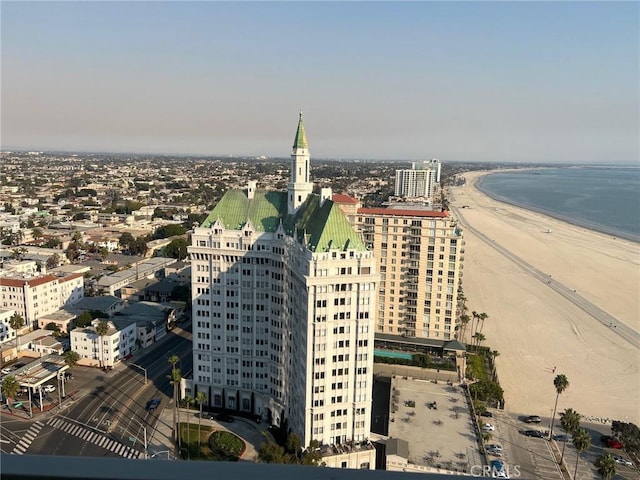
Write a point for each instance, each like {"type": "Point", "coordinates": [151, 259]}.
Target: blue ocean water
{"type": "Point", "coordinates": [606, 199]}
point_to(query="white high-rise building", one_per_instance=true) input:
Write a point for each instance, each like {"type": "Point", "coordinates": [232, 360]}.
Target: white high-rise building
{"type": "Point", "coordinates": [420, 181]}
{"type": "Point", "coordinates": [284, 297]}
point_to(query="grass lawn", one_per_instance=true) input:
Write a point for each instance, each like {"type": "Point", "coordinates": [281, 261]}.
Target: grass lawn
{"type": "Point", "coordinates": [216, 446]}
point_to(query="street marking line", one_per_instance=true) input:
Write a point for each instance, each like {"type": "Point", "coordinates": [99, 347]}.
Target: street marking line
{"type": "Point", "coordinates": [102, 441]}
{"type": "Point", "coordinates": [30, 435]}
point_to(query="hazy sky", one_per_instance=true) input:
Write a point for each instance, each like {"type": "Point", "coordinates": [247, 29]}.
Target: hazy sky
{"type": "Point", "coordinates": [504, 81]}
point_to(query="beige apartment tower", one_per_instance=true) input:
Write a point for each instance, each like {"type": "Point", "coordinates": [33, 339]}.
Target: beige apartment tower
{"type": "Point", "coordinates": [419, 255]}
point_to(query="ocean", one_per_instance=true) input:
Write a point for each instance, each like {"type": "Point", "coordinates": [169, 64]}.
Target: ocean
{"type": "Point", "coordinates": [606, 199]}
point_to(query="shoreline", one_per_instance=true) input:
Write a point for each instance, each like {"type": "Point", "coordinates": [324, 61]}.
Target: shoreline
{"type": "Point", "coordinates": [533, 325]}
{"type": "Point", "coordinates": [549, 213]}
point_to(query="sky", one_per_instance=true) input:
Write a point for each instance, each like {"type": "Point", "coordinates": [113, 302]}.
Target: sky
{"type": "Point", "coordinates": [460, 81]}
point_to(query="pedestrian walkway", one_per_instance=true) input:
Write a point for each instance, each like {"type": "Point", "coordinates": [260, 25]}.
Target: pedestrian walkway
{"type": "Point", "coordinates": [27, 438]}
{"type": "Point", "coordinates": [90, 436]}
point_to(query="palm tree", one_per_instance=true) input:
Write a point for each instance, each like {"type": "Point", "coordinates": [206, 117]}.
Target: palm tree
{"type": "Point", "coordinates": [71, 359]}
{"type": "Point", "coordinates": [606, 466]}
{"type": "Point", "coordinates": [16, 322]}
{"type": "Point", "coordinates": [201, 397]}
{"type": "Point", "coordinates": [10, 388]}
{"type": "Point", "coordinates": [101, 329]}
{"type": "Point", "coordinates": [464, 320]}
{"type": "Point", "coordinates": [474, 317]}
{"type": "Point", "coordinates": [570, 421]}
{"type": "Point", "coordinates": [189, 401]}
{"type": "Point", "coordinates": [582, 441]}
{"type": "Point", "coordinates": [561, 383]}
{"type": "Point", "coordinates": [174, 379]}
{"type": "Point", "coordinates": [479, 338]}
{"type": "Point", "coordinates": [482, 316]}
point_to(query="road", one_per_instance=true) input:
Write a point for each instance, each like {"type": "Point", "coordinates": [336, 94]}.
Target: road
{"type": "Point", "coordinates": [108, 417]}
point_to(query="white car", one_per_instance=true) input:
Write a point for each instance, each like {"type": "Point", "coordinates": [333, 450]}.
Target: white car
{"type": "Point", "coordinates": [6, 371]}
{"type": "Point", "coordinates": [623, 461]}
{"type": "Point", "coordinates": [49, 388]}
{"type": "Point", "coordinates": [487, 427]}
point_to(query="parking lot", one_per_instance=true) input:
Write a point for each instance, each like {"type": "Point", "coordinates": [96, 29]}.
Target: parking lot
{"type": "Point", "coordinates": [434, 419]}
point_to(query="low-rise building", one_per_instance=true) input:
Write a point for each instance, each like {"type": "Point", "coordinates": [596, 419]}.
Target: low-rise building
{"type": "Point", "coordinates": [105, 351]}
{"type": "Point", "coordinates": [108, 304]}
{"type": "Point", "coordinates": [34, 296]}
{"type": "Point", "coordinates": [61, 318]}
{"type": "Point", "coordinates": [6, 332]}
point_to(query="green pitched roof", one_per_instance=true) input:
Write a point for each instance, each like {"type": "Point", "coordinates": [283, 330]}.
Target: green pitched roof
{"type": "Point", "coordinates": [322, 227]}
{"type": "Point", "coordinates": [301, 138]}
{"type": "Point", "coordinates": [234, 209]}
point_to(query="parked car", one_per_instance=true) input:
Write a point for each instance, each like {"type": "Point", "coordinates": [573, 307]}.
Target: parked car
{"type": "Point", "coordinates": [533, 433]}
{"type": "Point", "coordinates": [614, 443]}
{"type": "Point", "coordinates": [206, 415]}
{"type": "Point", "coordinates": [532, 419]}
{"type": "Point", "coordinates": [153, 404]}
{"type": "Point", "coordinates": [487, 427]}
{"type": "Point", "coordinates": [486, 413]}
{"type": "Point", "coordinates": [6, 371]}
{"type": "Point", "coordinates": [495, 452]}
{"type": "Point", "coordinates": [48, 388]}
{"type": "Point", "coordinates": [562, 438]}
{"type": "Point", "coordinates": [498, 470]}
{"type": "Point", "coordinates": [494, 446]}
{"type": "Point", "coordinates": [623, 461]}
{"type": "Point", "coordinates": [223, 417]}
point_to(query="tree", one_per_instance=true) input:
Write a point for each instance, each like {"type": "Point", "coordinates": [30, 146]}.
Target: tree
{"type": "Point", "coordinates": [479, 338]}
{"type": "Point", "coordinates": [293, 445]}
{"type": "Point", "coordinates": [482, 316]}
{"type": "Point", "coordinates": [177, 249]}
{"type": "Point", "coordinates": [101, 329]}
{"type": "Point", "coordinates": [37, 233]}
{"type": "Point", "coordinates": [83, 319]}
{"type": "Point", "coordinates": [53, 326]}
{"type": "Point", "coordinates": [71, 359]}
{"type": "Point", "coordinates": [16, 322]}
{"type": "Point", "coordinates": [486, 390]}
{"type": "Point", "coordinates": [582, 441]}
{"type": "Point", "coordinates": [10, 388]}
{"type": "Point", "coordinates": [174, 379]}
{"type": "Point", "coordinates": [629, 435]}
{"type": "Point", "coordinates": [169, 231]}
{"type": "Point", "coordinates": [312, 455]}
{"type": "Point", "coordinates": [271, 452]}
{"type": "Point", "coordinates": [201, 397]}
{"type": "Point", "coordinates": [570, 421]}
{"type": "Point", "coordinates": [53, 261]}
{"type": "Point", "coordinates": [606, 466]}
{"type": "Point", "coordinates": [189, 401]}
{"type": "Point", "coordinates": [464, 320]}
{"type": "Point", "coordinates": [126, 239]}
{"type": "Point", "coordinates": [561, 383]}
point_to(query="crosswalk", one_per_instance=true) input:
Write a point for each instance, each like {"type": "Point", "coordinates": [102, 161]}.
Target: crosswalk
{"type": "Point", "coordinates": [92, 437]}
{"type": "Point", "coordinates": [27, 438]}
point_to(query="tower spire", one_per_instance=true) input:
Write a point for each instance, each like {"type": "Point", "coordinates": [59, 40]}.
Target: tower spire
{"type": "Point", "coordinates": [300, 185]}
{"type": "Point", "coordinates": [301, 137]}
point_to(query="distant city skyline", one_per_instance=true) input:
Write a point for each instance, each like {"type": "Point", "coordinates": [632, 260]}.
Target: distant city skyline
{"type": "Point", "coordinates": [460, 81]}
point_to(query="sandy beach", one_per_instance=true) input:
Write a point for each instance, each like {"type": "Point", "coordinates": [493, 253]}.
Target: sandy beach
{"type": "Point", "coordinates": [533, 326]}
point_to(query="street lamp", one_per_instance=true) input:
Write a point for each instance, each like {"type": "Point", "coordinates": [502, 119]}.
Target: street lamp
{"type": "Point", "coordinates": [144, 429]}
{"type": "Point", "coordinates": [141, 368]}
